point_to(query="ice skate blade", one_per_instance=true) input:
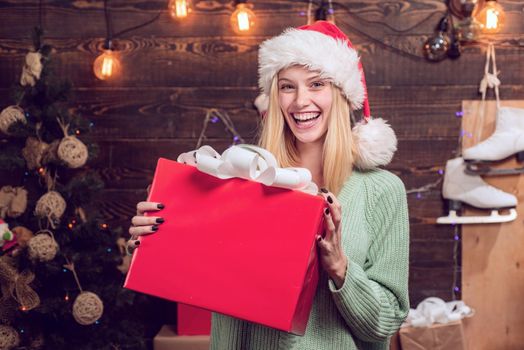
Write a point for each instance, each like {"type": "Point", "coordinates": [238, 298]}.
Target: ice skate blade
{"type": "Point", "coordinates": [476, 169]}
{"type": "Point", "coordinates": [493, 218]}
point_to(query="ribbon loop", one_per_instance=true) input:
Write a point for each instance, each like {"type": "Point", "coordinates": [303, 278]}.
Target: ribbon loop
{"type": "Point", "coordinates": [251, 163]}
{"type": "Point", "coordinates": [434, 310]}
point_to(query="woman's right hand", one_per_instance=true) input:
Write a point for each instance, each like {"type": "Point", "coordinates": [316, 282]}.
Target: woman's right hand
{"type": "Point", "coordinates": [142, 225]}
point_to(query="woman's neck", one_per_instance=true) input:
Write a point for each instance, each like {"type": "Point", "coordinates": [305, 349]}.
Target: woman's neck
{"type": "Point", "coordinates": [311, 158]}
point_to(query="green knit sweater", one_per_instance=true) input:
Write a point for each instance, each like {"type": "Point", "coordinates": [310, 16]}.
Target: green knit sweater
{"type": "Point", "coordinates": [373, 301]}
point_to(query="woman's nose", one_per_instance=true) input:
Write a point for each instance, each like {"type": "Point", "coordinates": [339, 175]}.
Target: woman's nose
{"type": "Point", "coordinates": [303, 98]}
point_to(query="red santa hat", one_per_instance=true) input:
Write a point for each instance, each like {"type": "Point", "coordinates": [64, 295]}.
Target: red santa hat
{"type": "Point", "coordinates": [323, 47]}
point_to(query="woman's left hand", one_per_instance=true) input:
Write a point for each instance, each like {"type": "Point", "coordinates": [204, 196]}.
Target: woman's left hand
{"type": "Point", "coordinates": [332, 256]}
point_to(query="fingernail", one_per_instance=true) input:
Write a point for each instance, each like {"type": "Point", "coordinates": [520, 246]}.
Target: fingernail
{"type": "Point", "coordinates": [159, 220]}
{"type": "Point", "coordinates": [137, 243]}
{"type": "Point", "coordinates": [330, 200]}
{"type": "Point", "coordinates": [319, 238]}
{"type": "Point", "coordinates": [326, 211]}
{"type": "Point", "coordinates": [323, 190]}
{"type": "Point", "coordinates": [154, 228]}
{"type": "Point", "coordinates": [160, 206]}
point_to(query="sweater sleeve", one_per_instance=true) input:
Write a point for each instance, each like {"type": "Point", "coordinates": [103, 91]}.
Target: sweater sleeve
{"type": "Point", "coordinates": [373, 299]}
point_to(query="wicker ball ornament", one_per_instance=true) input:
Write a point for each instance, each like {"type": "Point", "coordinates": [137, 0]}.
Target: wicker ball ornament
{"type": "Point", "coordinates": [51, 205]}
{"type": "Point", "coordinates": [42, 247]}
{"type": "Point", "coordinates": [9, 116]}
{"type": "Point", "coordinates": [72, 151]}
{"type": "Point", "coordinates": [9, 338]}
{"type": "Point", "coordinates": [87, 308]}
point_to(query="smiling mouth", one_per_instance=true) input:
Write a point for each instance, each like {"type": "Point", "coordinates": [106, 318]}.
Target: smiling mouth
{"type": "Point", "coordinates": [308, 117]}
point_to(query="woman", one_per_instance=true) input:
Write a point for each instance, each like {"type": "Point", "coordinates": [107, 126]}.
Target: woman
{"type": "Point", "coordinates": [313, 80]}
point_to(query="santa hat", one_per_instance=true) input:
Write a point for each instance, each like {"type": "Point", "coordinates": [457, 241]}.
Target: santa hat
{"type": "Point", "coordinates": [323, 47]}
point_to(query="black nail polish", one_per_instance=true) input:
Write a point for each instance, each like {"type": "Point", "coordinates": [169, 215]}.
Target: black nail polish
{"type": "Point", "coordinates": [159, 220]}
{"type": "Point", "coordinates": [330, 200]}
{"type": "Point", "coordinates": [326, 211]}
{"type": "Point", "coordinates": [154, 228]}
{"type": "Point", "coordinates": [137, 243]}
{"type": "Point", "coordinates": [160, 206]}
{"type": "Point", "coordinates": [323, 190]}
{"type": "Point", "coordinates": [319, 238]}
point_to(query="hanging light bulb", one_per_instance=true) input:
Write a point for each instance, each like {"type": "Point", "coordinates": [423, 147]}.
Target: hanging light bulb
{"type": "Point", "coordinates": [107, 65]}
{"type": "Point", "coordinates": [436, 47]}
{"type": "Point", "coordinates": [468, 28]}
{"type": "Point", "coordinates": [243, 18]}
{"type": "Point", "coordinates": [491, 17]}
{"type": "Point", "coordinates": [179, 9]}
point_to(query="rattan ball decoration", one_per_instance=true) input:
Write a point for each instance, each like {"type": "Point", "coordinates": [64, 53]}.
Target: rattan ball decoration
{"type": "Point", "coordinates": [87, 308]}
{"type": "Point", "coordinates": [72, 151]}
{"type": "Point", "coordinates": [9, 116]}
{"type": "Point", "coordinates": [51, 205]}
{"type": "Point", "coordinates": [42, 247]}
{"type": "Point", "coordinates": [9, 338]}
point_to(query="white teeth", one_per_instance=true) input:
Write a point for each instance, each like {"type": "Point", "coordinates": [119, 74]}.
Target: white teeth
{"type": "Point", "coordinates": [305, 116]}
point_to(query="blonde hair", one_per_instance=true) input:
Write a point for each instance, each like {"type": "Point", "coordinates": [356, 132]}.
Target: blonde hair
{"type": "Point", "coordinates": [339, 149]}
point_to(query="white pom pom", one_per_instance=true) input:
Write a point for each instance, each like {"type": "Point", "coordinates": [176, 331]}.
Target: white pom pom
{"type": "Point", "coordinates": [262, 103]}
{"type": "Point", "coordinates": [376, 143]}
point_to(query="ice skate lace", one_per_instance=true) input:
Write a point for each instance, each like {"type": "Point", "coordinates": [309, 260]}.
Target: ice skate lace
{"type": "Point", "coordinates": [489, 80]}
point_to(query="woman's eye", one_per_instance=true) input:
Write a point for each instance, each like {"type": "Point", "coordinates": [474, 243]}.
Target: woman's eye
{"type": "Point", "coordinates": [286, 87]}
{"type": "Point", "coordinates": [318, 84]}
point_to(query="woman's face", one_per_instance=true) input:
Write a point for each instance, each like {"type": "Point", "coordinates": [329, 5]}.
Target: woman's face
{"type": "Point", "coordinates": [305, 100]}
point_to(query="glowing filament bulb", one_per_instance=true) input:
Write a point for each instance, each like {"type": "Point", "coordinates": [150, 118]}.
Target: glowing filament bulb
{"type": "Point", "coordinates": [492, 19]}
{"type": "Point", "coordinates": [242, 19]}
{"type": "Point", "coordinates": [106, 65]}
{"type": "Point", "coordinates": [179, 8]}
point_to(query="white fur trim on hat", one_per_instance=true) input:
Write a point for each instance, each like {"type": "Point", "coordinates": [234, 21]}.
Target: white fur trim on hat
{"type": "Point", "coordinates": [376, 143]}
{"type": "Point", "coordinates": [319, 52]}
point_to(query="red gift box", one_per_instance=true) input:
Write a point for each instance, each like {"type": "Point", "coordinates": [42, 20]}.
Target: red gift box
{"type": "Point", "coordinates": [193, 320]}
{"type": "Point", "coordinates": [233, 246]}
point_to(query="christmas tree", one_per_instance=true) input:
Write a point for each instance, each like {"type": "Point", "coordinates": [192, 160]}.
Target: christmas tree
{"type": "Point", "coordinates": [61, 267]}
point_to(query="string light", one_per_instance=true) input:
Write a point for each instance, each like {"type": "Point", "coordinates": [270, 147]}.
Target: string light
{"type": "Point", "coordinates": [107, 65]}
{"type": "Point", "coordinates": [41, 171]}
{"type": "Point", "coordinates": [179, 9]}
{"type": "Point", "coordinates": [66, 297]}
{"type": "Point", "coordinates": [243, 18]}
{"type": "Point", "coordinates": [214, 115]}
{"type": "Point", "coordinates": [491, 17]}
{"type": "Point", "coordinates": [77, 132]}
{"type": "Point", "coordinates": [104, 226]}
{"type": "Point", "coordinates": [23, 308]}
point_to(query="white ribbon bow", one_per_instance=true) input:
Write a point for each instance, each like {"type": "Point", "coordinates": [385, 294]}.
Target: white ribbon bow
{"type": "Point", "coordinates": [251, 163]}
{"type": "Point", "coordinates": [435, 310]}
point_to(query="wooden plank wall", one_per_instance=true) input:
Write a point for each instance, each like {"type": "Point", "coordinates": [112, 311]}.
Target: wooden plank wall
{"type": "Point", "coordinates": [492, 279]}
{"type": "Point", "coordinates": [173, 71]}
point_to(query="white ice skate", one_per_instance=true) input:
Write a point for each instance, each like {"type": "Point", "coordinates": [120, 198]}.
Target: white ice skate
{"type": "Point", "coordinates": [506, 141]}
{"type": "Point", "coordinates": [460, 187]}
